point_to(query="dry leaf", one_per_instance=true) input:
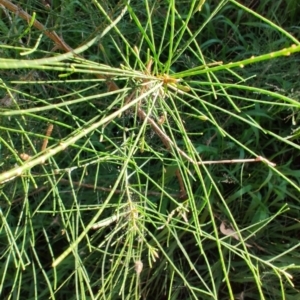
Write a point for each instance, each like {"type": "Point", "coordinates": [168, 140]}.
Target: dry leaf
{"type": "Point", "coordinates": [230, 232]}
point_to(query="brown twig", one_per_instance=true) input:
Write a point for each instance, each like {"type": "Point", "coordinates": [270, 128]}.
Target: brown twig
{"type": "Point", "coordinates": [169, 144]}
{"type": "Point", "coordinates": [59, 42]}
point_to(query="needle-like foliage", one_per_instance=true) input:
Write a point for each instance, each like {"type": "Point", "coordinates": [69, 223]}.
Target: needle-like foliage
{"type": "Point", "coordinates": [149, 149]}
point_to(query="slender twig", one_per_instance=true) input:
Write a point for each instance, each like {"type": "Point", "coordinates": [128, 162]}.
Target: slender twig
{"type": "Point", "coordinates": [169, 144]}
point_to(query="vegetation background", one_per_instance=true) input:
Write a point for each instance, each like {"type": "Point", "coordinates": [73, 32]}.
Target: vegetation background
{"type": "Point", "coordinates": [159, 159]}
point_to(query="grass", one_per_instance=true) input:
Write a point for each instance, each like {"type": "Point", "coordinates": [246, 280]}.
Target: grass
{"type": "Point", "coordinates": [157, 160]}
